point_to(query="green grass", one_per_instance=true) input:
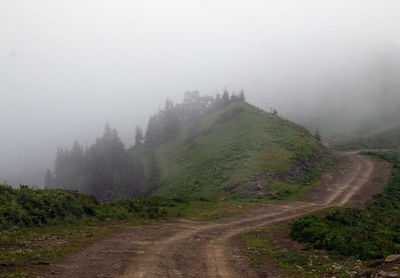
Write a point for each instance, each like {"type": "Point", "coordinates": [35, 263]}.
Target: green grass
{"type": "Point", "coordinates": [236, 144]}
{"type": "Point", "coordinates": [265, 251]}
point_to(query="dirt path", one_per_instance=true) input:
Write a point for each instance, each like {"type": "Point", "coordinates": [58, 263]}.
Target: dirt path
{"type": "Point", "coordinates": [208, 249]}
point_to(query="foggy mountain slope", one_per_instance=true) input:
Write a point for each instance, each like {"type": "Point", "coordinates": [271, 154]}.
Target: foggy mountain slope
{"type": "Point", "coordinates": [204, 147]}
{"type": "Point", "coordinates": [239, 151]}
{"type": "Point", "coordinates": [362, 98]}
{"type": "Point", "coordinates": [386, 138]}
{"type": "Point", "coordinates": [66, 69]}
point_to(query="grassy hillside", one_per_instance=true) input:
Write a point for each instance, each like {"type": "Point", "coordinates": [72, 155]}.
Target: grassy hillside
{"type": "Point", "coordinates": [237, 152]}
{"type": "Point", "coordinates": [387, 139]}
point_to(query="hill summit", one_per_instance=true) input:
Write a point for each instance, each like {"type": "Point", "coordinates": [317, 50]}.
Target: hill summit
{"type": "Point", "coordinates": [208, 148]}
{"type": "Point", "coordinates": [238, 151]}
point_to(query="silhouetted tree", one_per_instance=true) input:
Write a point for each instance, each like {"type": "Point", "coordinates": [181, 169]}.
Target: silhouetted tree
{"type": "Point", "coordinates": [317, 135]}
{"type": "Point", "coordinates": [152, 180]}
{"type": "Point", "coordinates": [225, 98]}
{"type": "Point", "coordinates": [241, 96]}
{"type": "Point", "coordinates": [48, 179]}
{"type": "Point", "coordinates": [170, 117]}
{"type": "Point", "coordinates": [154, 129]}
{"type": "Point", "coordinates": [106, 169]}
{"type": "Point", "coordinates": [106, 157]}
{"type": "Point", "coordinates": [218, 101]}
{"type": "Point", "coordinates": [139, 138]}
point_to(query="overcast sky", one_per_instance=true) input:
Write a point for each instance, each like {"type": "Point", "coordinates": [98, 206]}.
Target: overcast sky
{"type": "Point", "coordinates": [68, 67]}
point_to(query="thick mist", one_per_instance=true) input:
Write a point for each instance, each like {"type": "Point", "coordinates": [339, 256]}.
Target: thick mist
{"type": "Point", "coordinates": [69, 67]}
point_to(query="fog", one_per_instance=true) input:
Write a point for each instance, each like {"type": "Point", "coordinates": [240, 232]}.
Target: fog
{"type": "Point", "coordinates": [69, 67]}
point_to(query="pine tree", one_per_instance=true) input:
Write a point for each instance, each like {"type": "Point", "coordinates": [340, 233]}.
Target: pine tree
{"type": "Point", "coordinates": [225, 98]}
{"type": "Point", "coordinates": [317, 135]}
{"type": "Point", "coordinates": [153, 177]}
{"type": "Point", "coordinates": [48, 179]}
{"type": "Point", "coordinates": [242, 97]}
{"type": "Point", "coordinates": [138, 136]}
{"type": "Point", "coordinates": [170, 118]}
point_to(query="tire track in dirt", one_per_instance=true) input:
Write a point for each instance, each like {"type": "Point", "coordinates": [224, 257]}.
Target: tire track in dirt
{"type": "Point", "coordinates": [206, 249]}
{"type": "Point", "coordinates": [349, 185]}
{"type": "Point", "coordinates": [214, 250]}
{"type": "Point", "coordinates": [145, 266]}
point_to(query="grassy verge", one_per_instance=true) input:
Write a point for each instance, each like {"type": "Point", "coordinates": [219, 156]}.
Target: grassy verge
{"type": "Point", "coordinates": [23, 250]}
{"type": "Point", "coordinates": [273, 253]}
{"type": "Point", "coordinates": [39, 226]}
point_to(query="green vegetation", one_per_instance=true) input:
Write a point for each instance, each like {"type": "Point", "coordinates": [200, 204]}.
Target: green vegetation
{"type": "Point", "coordinates": [214, 148]}
{"type": "Point", "coordinates": [109, 171]}
{"type": "Point", "coordinates": [366, 233]}
{"type": "Point", "coordinates": [26, 207]}
{"type": "Point", "coordinates": [239, 152]}
{"type": "Point", "coordinates": [214, 158]}
{"type": "Point", "coordinates": [388, 139]}
{"type": "Point", "coordinates": [271, 249]}
{"type": "Point", "coordinates": [40, 225]}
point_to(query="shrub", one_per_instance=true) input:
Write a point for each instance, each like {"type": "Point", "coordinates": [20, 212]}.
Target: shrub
{"type": "Point", "coordinates": [25, 206]}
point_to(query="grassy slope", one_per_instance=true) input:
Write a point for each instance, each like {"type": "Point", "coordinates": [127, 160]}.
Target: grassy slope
{"type": "Point", "coordinates": [388, 139]}
{"type": "Point", "coordinates": [235, 144]}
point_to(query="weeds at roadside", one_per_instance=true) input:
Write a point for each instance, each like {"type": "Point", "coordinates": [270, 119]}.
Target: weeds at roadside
{"type": "Point", "coordinates": [273, 252]}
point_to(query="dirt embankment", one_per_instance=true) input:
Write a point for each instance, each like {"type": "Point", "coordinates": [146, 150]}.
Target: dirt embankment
{"type": "Point", "coordinates": [209, 248]}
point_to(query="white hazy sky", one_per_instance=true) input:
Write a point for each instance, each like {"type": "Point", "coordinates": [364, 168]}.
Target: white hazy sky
{"type": "Point", "coordinates": [68, 67]}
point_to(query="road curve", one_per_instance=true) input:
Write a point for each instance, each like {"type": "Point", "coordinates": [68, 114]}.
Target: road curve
{"type": "Point", "coordinates": [206, 249]}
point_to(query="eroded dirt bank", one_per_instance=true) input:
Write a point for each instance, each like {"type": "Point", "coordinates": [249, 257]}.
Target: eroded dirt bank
{"type": "Point", "coordinates": [209, 248]}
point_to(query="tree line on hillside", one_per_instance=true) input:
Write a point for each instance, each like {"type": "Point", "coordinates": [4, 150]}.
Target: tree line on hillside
{"type": "Point", "coordinates": [107, 169]}
{"type": "Point", "coordinates": [194, 106]}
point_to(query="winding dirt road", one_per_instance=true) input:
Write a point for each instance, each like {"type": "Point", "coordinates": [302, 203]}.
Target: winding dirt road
{"type": "Point", "coordinates": [209, 248]}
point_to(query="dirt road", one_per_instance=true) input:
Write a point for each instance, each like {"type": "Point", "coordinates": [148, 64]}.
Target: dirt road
{"type": "Point", "coordinates": [209, 248]}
